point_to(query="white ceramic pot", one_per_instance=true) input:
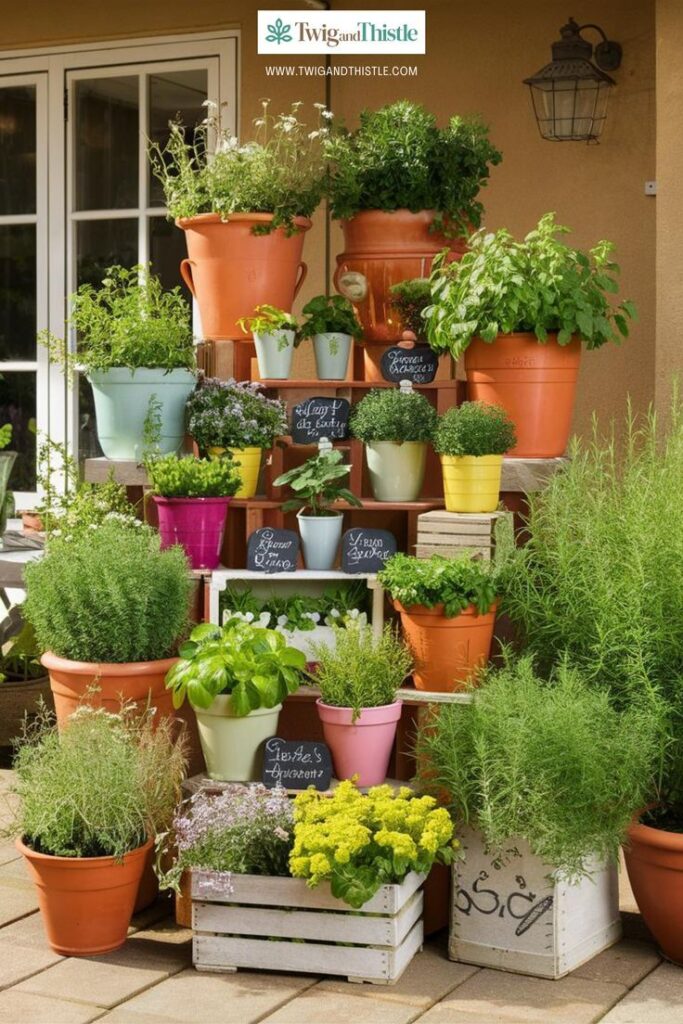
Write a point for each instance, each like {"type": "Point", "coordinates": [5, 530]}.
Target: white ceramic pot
{"type": "Point", "coordinates": [320, 537]}
{"type": "Point", "coordinates": [332, 352]}
{"type": "Point", "coordinates": [274, 354]}
{"type": "Point", "coordinates": [396, 470]}
{"type": "Point", "coordinates": [233, 745]}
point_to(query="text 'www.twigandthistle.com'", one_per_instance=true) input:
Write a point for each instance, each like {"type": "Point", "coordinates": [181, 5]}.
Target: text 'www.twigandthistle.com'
{"type": "Point", "coordinates": [342, 70]}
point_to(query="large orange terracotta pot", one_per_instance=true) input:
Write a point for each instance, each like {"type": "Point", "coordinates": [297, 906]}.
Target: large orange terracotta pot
{"type": "Point", "coordinates": [381, 249]}
{"type": "Point", "coordinates": [86, 902]}
{"type": "Point", "coordinates": [535, 383]}
{"type": "Point", "coordinates": [654, 860]}
{"type": "Point", "coordinates": [230, 270]}
{"type": "Point", "coordinates": [105, 685]}
{"type": "Point", "coordinates": [447, 652]}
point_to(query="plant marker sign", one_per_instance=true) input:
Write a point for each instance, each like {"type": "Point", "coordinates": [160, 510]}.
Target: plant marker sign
{"type": "Point", "coordinates": [320, 417]}
{"type": "Point", "coordinates": [418, 364]}
{"type": "Point", "coordinates": [296, 764]}
{"type": "Point", "coordinates": [366, 550]}
{"type": "Point", "coordinates": [270, 550]}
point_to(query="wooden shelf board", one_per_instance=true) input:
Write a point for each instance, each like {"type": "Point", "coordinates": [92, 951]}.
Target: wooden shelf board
{"type": "Point", "coordinates": [369, 505]}
{"type": "Point", "coordinates": [354, 385]}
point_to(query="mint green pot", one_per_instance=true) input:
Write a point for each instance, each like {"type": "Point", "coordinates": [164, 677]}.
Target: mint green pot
{"type": "Point", "coordinates": [274, 354]}
{"type": "Point", "coordinates": [122, 399]}
{"type": "Point", "coordinates": [396, 470]}
{"type": "Point", "coordinates": [332, 352]}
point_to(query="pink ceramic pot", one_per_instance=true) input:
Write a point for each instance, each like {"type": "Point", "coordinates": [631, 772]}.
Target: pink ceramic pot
{"type": "Point", "coordinates": [195, 523]}
{"type": "Point", "coordinates": [363, 747]}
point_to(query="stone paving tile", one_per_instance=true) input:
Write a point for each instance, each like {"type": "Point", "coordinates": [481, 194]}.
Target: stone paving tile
{"type": "Point", "coordinates": [430, 977]}
{"type": "Point", "coordinates": [490, 997]}
{"type": "Point", "coordinates": [627, 963]}
{"type": "Point", "coordinates": [28, 931]}
{"type": "Point", "coordinates": [110, 979]}
{"type": "Point", "coordinates": [19, 962]}
{"type": "Point", "coordinates": [194, 996]}
{"type": "Point", "coordinates": [319, 1005]}
{"type": "Point", "coordinates": [26, 1008]}
{"type": "Point", "coordinates": [8, 853]}
{"type": "Point", "coordinates": [658, 999]}
{"type": "Point", "coordinates": [161, 910]}
{"type": "Point", "coordinates": [17, 898]}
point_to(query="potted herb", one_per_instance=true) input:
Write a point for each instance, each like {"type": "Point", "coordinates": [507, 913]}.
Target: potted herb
{"type": "Point", "coordinates": [244, 208]}
{"type": "Point", "coordinates": [86, 819]}
{"type": "Point", "coordinates": [317, 487]}
{"type": "Point", "coordinates": [275, 337]}
{"type": "Point", "coordinates": [404, 189]}
{"type": "Point", "coordinates": [409, 299]}
{"type": "Point", "coordinates": [600, 580]}
{"type": "Point", "coordinates": [135, 348]}
{"type": "Point", "coordinates": [546, 776]}
{"type": "Point", "coordinates": [519, 312]}
{"type": "Point", "coordinates": [235, 678]}
{"type": "Point", "coordinates": [448, 611]}
{"type": "Point", "coordinates": [332, 325]}
{"type": "Point", "coordinates": [396, 426]}
{"type": "Point", "coordinates": [237, 418]}
{"type": "Point", "coordinates": [192, 497]}
{"type": "Point", "coordinates": [358, 708]}
{"type": "Point", "coordinates": [471, 440]}
{"type": "Point", "coordinates": [108, 607]}
{"type": "Point", "coordinates": [24, 683]}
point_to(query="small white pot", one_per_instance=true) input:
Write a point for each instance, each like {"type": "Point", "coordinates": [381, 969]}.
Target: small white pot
{"type": "Point", "coordinates": [332, 352]}
{"type": "Point", "coordinates": [320, 537]}
{"type": "Point", "coordinates": [274, 353]}
{"type": "Point", "coordinates": [232, 745]}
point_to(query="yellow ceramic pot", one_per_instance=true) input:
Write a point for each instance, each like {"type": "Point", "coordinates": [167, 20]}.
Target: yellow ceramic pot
{"type": "Point", "coordinates": [248, 461]}
{"type": "Point", "coordinates": [471, 483]}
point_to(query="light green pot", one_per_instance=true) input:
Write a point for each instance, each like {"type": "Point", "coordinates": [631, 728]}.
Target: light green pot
{"type": "Point", "coordinates": [122, 400]}
{"type": "Point", "coordinates": [233, 746]}
{"type": "Point", "coordinates": [274, 354]}
{"type": "Point", "coordinates": [396, 470]}
{"type": "Point", "coordinates": [332, 352]}
{"type": "Point", "coordinates": [320, 537]}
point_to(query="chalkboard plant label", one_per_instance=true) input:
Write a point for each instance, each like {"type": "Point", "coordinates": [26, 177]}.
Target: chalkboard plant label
{"type": "Point", "coordinates": [418, 364]}
{"type": "Point", "coordinates": [296, 764]}
{"type": "Point", "coordinates": [366, 550]}
{"type": "Point", "coordinates": [270, 550]}
{"type": "Point", "coordinates": [320, 417]}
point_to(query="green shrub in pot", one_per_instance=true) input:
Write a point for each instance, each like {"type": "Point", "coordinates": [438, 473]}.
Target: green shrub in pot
{"type": "Point", "coordinates": [135, 347]}
{"type": "Point", "coordinates": [332, 325]}
{"type": "Point", "coordinates": [471, 440]}
{"type": "Point", "coordinates": [396, 426]}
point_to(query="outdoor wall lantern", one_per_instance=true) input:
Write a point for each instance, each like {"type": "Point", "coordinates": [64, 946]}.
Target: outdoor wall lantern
{"type": "Point", "coordinates": [570, 94]}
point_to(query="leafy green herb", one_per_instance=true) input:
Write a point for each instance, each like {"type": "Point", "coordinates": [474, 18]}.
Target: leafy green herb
{"type": "Point", "coordinates": [172, 476]}
{"type": "Point", "coordinates": [337, 605]}
{"type": "Point", "coordinates": [454, 582]}
{"type": "Point", "coordinates": [389, 414]}
{"type": "Point", "coordinates": [474, 428]}
{"type": "Point", "coordinates": [316, 484]}
{"type": "Point", "coordinates": [410, 299]}
{"type": "Point", "coordinates": [361, 671]}
{"type": "Point", "coordinates": [329, 314]}
{"type": "Point", "coordinates": [269, 320]}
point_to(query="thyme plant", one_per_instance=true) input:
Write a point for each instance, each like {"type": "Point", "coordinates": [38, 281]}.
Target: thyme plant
{"type": "Point", "coordinates": [361, 671]}
{"type": "Point", "coordinates": [389, 414]}
{"type": "Point", "coordinates": [474, 428]}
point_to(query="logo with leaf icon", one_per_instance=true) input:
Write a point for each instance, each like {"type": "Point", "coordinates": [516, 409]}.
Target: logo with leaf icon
{"type": "Point", "coordinates": [279, 32]}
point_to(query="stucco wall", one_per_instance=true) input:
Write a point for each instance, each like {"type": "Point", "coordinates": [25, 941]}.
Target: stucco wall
{"type": "Point", "coordinates": [477, 55]}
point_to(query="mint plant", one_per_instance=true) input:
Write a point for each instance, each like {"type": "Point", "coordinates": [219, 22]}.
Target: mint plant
{"type": "Point", "coordinates": [455, 583]}
{"type": "Point", "coordinates": [316, 484]}
{"type": "Point", "coordinates": [329, 314]}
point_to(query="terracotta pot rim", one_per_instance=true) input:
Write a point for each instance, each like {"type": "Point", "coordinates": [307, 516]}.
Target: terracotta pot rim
{"type": "Point", "coordinates": [528, 336]}
{"type": "Point", "coordinates": [401, 211]}
{"type": "Point", "coordinates": [104, 668]}
{"type": "Point", "coordinates": [305, 223]}
{"type": "Point", "coordinates": [160, 500]}
{"type": "Point", "coordinates": [75, 862]}
{"type": "Point", "coordinates": [656, 837]}
{"type": "Point", "coordinates": [437, 610]}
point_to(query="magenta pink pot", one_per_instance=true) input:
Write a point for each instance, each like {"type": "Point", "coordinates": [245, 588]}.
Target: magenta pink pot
{"type": "Point", "coordinates": [363, 747]}
{"type": "Point", "coordinates": [197, 524]}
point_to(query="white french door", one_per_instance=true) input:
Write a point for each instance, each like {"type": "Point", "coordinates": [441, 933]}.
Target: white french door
{"type": "Point", "coordinates": [77, 196]}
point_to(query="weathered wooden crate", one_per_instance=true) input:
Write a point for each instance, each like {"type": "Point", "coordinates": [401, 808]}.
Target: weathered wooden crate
{"type": "Point", "coordinates": [453, 533]}
{"type": "Point", "coordinates": [280, 924]}
{"type": "Point", "coordinates": [507, 913]}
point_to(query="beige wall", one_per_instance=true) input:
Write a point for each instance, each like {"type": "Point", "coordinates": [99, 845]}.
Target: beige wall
{"type": "Point", "coordinates": [477, 55]}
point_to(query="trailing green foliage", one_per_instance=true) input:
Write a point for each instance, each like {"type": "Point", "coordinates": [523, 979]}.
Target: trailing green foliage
{"type": "Point", "coordinates": [389, 414]}
{"type": "Point", "coordinates": [130, 321]}
{"type": "Point", "coordinates": [254, 665]}
{"type": "Point", "coordinates": [172, 476]}
{"type": "Point", "coordinates": [361, 671]}
{"type": "Point", "coordinates": [398, 158]}
{"type": "Point", "coordinates": [552, 763]}
{"type": "Point", "coordinates": [600, 577]}
{"type": "Point", "coordinates": [539, 285]}
{"type": "Point", "coordinates": [454, 582]}
{"type": "Point", "coordinates": [342, 605]}
{"type": "Point", "coordinates": [474, 428]}
{"type": "Point", "coordinates": [329, 314]}
{"type": "Point", "coordinates": [316, 484]}
{"type": "Point", "coordinates": [280, 170]}
{"type": "Point", "coordinates": [228, 414]}
{"type": "Point", "coordinates": [410, 299]}
{"type": "Point", "coordinates": [100, 788]}
{"type": "Point", "coordinates": [109, 595]}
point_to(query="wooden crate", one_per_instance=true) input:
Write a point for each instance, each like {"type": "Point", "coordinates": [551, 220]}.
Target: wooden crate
{"type": "Point", "coordinates": [280, 924]}
{"type": "Point", "coordinates": [510, 915]}
{"type": "Point", "coordinates": [453, 533]}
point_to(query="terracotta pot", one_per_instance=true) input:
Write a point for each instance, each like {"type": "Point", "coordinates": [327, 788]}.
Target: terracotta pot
{"type": "Point", "coordinates": [140, 681]}
{"type": "Point", "coordinates": [654, 861]}
{"type": "Point", "coordinates": [86, 902]}
{"type": "Point", "coordinates": [380, 249]}
{"type": "Point", "coordinates": [535, 383]}
{"type": "Point", "coordinates": [447, 652]}
{"type": "Point", "coordinates": [230, 270]}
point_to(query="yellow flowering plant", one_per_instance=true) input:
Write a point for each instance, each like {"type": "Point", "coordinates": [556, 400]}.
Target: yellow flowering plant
{"type": "Point", "coordinates": [359, 842]}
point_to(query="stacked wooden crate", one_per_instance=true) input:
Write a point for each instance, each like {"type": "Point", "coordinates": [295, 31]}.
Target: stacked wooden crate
{"type": "Point", "coordinates": [453, 533]}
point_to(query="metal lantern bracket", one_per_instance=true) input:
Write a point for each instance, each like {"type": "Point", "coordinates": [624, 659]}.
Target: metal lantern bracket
{"type": "Point", "coordinates": [607, 54]}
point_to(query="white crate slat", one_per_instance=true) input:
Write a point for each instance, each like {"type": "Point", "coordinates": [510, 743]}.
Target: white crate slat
{"type": "Point", "coordinates": [439, 528]}
{"type": "Point", "coordinates": [317, 926]}
{"type": "Point", "coordinates": [427, 550]}
{"type": "Point", "coordinates": [511, 916]}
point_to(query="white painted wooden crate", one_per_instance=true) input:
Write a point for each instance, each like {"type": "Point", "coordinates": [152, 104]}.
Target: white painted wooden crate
{"type": "Point", "coordinates": [511, 916]}
{"type": "Point", "coordinates": [280, 924]}
{"type": "Point", "coordinates": [452, 534]}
